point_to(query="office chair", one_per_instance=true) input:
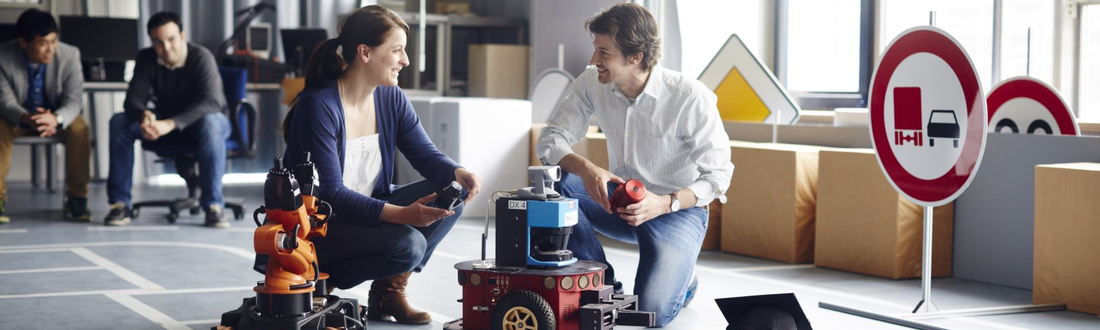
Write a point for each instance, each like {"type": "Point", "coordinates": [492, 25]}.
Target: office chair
{"type": "Point", "coordinates": [241, 144]}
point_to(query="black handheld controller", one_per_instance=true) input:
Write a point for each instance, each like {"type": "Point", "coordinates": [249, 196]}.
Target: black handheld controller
{"type": "Point", "coordinates": [449, 197]}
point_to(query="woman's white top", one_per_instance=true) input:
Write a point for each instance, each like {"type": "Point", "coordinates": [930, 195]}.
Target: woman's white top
{"type": "Point", "coordinates": [362, 164]}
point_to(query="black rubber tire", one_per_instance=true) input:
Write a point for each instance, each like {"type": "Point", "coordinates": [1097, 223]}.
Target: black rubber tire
{"type": "Point", "coordinates": [525, 302]}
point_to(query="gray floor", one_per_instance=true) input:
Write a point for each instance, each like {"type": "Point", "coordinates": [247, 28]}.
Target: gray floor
{"type": "Point", "coordinates": [151, 275]}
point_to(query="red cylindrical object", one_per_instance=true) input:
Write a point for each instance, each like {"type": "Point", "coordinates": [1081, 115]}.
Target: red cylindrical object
{"type": "Point", "coordinates": [635, 191]}
{"type": "Point", "coordinates": [628, 193]}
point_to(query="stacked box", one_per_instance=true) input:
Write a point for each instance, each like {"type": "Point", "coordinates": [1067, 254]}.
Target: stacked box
{"type": "Point", "coordinates": [771, 201]}
{"type": "Point", "coordinates": [1067, 225]}
{"type": "Point", "coordinates": [864, 226]}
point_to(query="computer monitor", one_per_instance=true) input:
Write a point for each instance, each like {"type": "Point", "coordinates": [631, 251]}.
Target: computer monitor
{"type": "Point", "coordinates": [259, 39]}
{"type": "Point", "coordinates": [298, 45]}
{"type": "Point", "coordinates": [7, 32]}
{"type": "Point", "coordinates": [100, 38]}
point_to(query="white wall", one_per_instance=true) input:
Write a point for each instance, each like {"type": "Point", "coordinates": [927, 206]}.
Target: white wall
{"type": "Point", "coordinates": [562, 22]}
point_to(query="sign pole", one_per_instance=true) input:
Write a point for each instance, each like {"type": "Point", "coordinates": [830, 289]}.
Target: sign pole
{"type": "Point", "coordinates": [926, 266]}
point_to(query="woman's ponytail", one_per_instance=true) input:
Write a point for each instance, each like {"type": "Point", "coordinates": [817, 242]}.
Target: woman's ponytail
{"type": "Point", "coordinates": [327, 66]}
{"type": "Point", "coordinates": [324, 68]}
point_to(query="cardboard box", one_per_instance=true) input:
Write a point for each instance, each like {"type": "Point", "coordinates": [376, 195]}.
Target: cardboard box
{"type": "Point", "coordinates": [864, 226]}
{"type": "Point", "coordinates": [291, 88]}
{"type": "Point", "coordinates": [594, 148]}
{"type": "Point", "coordinates": [770, 208]}
{"type": "Point", "coordinates": [461, 8]}
{"type": "Point", "coordinates": [1067, 228]}
{"type": "Point", "coordinates": [713, 240]}
{"type": "Point", "coordinates": [536, 131]}
{"type": "Point", "coordinates": [580, 148]}
{"type": "Point", "coordinates": [498, 71]}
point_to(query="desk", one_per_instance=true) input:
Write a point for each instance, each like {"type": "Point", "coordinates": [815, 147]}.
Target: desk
{"type": "Point", "coordinates": [119, 86]}
{"type": "Point", "coordinates": [94, 87]}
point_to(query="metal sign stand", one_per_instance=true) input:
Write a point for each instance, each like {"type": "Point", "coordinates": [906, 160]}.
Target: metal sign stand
{"type": "Point", "coordinates": [926, 267]}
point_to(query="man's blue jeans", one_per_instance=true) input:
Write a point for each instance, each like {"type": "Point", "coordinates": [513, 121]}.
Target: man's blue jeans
{"type": "Point", "coordinates": [668, 248]}
{"type": "Point", "coordinates": [204, 138]}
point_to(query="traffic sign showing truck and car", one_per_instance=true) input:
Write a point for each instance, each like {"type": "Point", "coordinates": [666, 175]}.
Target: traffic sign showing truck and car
{"type": "Point", "coordinates": [942, 124]}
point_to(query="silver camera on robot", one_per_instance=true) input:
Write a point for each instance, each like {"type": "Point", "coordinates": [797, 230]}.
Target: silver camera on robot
{"type": "Point", "coordinates": [542, 179]}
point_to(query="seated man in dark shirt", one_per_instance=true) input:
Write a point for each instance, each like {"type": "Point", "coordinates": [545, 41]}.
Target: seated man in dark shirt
{"type": "Point", "coordinates": [181, 80]}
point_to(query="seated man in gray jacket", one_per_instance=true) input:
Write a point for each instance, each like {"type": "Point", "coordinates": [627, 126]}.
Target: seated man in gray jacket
{"type": "Point", "coordinates": [41, 83]}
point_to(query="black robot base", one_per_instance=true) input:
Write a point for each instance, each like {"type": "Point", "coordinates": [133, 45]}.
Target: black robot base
{"type": "Point", "coordinates": [340, 313]}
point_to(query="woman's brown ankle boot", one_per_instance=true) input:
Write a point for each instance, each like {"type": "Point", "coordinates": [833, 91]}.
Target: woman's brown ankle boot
{"type": "Point", "coordinates": [387, 298]}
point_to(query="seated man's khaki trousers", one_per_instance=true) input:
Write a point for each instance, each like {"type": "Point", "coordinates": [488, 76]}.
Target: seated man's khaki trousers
{"type": "Point", "coordinates": [77, 141]}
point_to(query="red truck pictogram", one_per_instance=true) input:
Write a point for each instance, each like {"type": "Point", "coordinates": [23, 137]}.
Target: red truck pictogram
{"type": "Point", "coordinates": [907, 116]}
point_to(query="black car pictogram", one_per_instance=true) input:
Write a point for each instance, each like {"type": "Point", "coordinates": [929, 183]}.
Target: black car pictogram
{"type": "Point", "coordinates": [943, 124]}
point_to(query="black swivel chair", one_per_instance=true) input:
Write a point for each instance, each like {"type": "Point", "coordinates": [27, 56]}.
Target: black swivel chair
{"type": "Point", "coordinates": [241, 144]}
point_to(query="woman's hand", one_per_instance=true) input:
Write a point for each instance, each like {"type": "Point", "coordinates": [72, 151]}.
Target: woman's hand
{"type": "Point", "coordinates": [470, 182]}
{"type": "Point", "coordinates": [419, 214]}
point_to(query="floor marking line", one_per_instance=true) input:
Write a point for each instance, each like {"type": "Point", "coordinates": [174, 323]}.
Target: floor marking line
{"type": "Point", "coordinates": [197, 290]}
{"type": "Point", "coordinates": [118, 270]}
{"type": "Point", "coordinates": [133, 228]}
{"type": "Point", "coordinates": [234, 250]}
{"type": "Point", "coordinates": [44, 270]}
{"type": "Point", "coordinates": [129, 292]}
{"type": "Point", "coordinates": [148, 312]}
{"type": "Point", "coordinates": [68, 294]}
{"type": "Point", "coordinates": [37, 250]}
{"type": "Point", "coordinates": [12, 231]}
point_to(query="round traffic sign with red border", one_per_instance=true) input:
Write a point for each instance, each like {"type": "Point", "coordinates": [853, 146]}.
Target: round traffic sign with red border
{"type": "Point", "coordinates": [928, 116]}
{"type": "Point", "coordinates": [1028, 105]}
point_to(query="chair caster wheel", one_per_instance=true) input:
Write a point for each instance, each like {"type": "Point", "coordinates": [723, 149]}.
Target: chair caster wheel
{"type": "Point", "coordinates": [135, 212]}
{"type": "Point", "coordinates": [171, 217]}
{"type": "Point", "coordinates": [195, 210]}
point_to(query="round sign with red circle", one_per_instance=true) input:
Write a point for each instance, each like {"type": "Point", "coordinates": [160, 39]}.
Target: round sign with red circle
{"type": "Point", "coordinates": [1029, 106]}
{"type": "Point", "coordinates": [928, 116]}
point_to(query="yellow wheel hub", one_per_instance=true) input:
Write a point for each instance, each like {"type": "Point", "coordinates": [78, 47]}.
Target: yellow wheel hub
{"type": "Point", "coordinates": [520, 318]}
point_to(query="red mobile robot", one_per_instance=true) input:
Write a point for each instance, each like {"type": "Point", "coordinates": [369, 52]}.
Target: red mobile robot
{"type": "Point", "coordinates": [535, 283]}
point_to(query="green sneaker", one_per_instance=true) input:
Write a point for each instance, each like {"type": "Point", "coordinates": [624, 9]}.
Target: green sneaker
{"type": "Point", "coordinates": [76, 209]}
{"type": "Point", "coordinates": [4, 212]}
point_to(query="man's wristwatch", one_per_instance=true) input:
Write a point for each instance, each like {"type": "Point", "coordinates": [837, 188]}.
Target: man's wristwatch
{"type": "Point", "coordinates": [60, 119]}
{"type": "Point", "coordinates": [675, 205]}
